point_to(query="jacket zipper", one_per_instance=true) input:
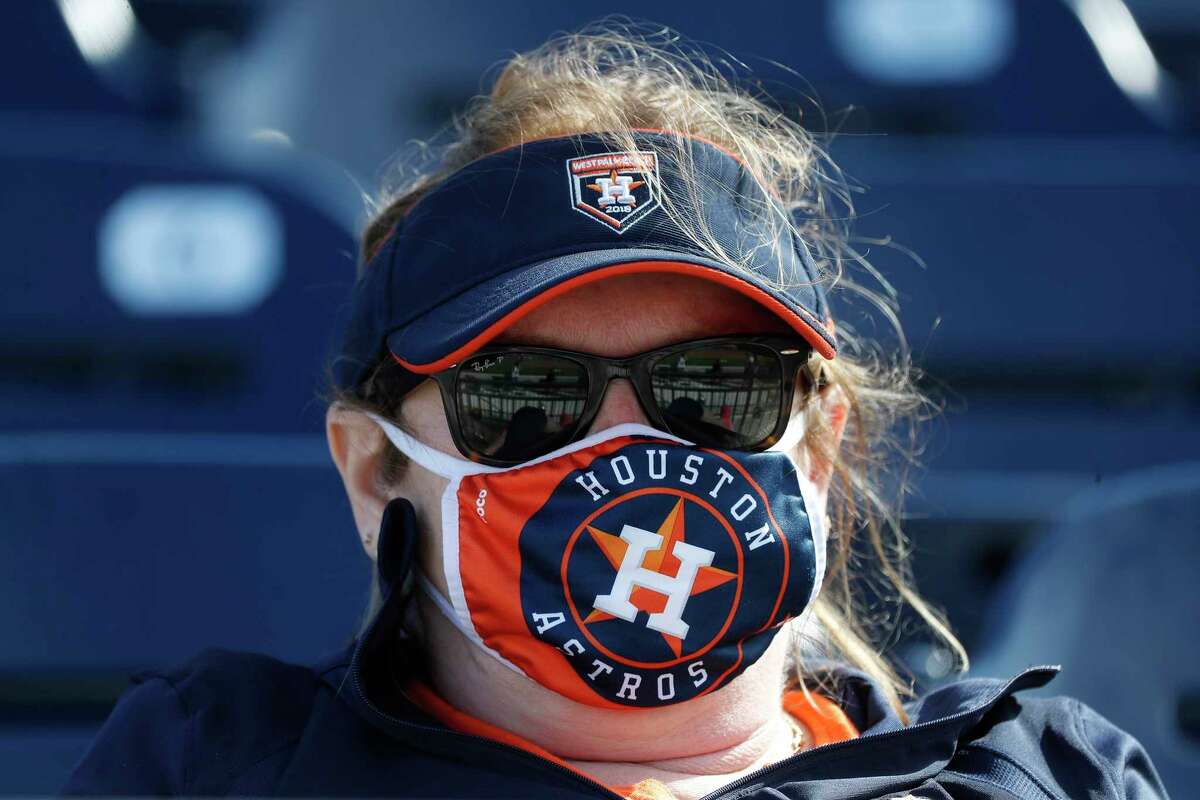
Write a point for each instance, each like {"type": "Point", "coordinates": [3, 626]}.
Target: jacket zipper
{"type": "Point", "coordinates": [791, 761]}
{"type": "Point", "coordinates": [736, 785]}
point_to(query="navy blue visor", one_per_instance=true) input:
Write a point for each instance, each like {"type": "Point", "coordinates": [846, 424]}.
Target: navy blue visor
{"type": "Point", "coordinates": [512, 229]}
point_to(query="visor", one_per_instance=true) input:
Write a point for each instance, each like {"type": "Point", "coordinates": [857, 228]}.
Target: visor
{"type": "Point", "coordinates": [515, 228]}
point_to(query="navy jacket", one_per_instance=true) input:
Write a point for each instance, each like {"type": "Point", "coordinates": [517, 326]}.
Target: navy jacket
{"type": "Point", "coordinates": [230, 723]}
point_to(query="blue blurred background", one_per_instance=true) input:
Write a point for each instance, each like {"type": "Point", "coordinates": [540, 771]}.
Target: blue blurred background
{"type": "Point", "coordinates": [182, 182]}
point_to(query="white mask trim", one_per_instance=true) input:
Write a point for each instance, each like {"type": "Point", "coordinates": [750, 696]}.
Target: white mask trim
{"type": "Point", "coordinates": [791, 435]}
{"type": "Point", "coordinates": [450, 537]}
{"type": "Point", "coordinates": [443, 605]}
{"type": "Point", "coordinates": [816, 524]}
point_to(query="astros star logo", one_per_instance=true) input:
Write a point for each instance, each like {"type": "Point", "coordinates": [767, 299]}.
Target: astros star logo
{"type": "Point", "coordinates": [656, 572]}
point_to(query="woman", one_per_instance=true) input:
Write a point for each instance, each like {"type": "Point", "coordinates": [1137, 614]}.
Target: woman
{"type": "Point", "coordinates": [614, 466]}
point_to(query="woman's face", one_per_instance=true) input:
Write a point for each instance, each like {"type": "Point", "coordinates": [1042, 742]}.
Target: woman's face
{"type": "Point", "coordinates": [618, 317]}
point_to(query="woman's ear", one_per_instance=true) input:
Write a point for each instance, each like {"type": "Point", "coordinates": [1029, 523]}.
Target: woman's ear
{"type": "Point", "coordinates": [831, 403]}
{"type": "Point", "coordinates": [356, 445]}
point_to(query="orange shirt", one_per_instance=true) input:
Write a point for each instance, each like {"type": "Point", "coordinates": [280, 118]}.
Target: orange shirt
{"type": "Point", "coordinates": [824, 720]}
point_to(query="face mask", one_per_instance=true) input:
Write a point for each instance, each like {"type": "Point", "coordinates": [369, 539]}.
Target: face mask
{"type": "Point", "coordinates": [628, 569]}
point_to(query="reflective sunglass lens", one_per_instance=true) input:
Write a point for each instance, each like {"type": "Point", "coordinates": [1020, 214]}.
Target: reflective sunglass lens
{"type": "Point", "coordinates": [517, 406]}
{"type": "Point", "coordinates": [721, 396]}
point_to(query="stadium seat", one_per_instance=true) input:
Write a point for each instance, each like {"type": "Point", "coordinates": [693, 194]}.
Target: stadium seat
{"type": "Point", "coordinates": [36, 759]}
{"type": "Point", "coordinates": [1054, 297]}
{"type": "Point", "coordinates": [124, 564]}
{"type": "Point", "coordinates": [46, 73]}
{"type": "Point", "coordinates": [159, 288]}
{"type": "Point", "coordinates": [134, 559]}
{"type": "Point", "coordinates": [1110, 594]}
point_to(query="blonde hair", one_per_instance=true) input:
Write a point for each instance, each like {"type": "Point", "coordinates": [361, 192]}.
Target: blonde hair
{"type": "Point", "coordinates": [614, 77]}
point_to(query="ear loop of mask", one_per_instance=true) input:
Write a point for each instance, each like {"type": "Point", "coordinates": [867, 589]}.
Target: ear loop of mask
{"type": "Point", "coordinates": [447, 610]}
{"type": "Point", "coordinates": [816, 520]}
{"type": "Point", "coordinates": [451, 467]}
{"type": "Point", "coordinates": [816, 526]}
{"type": "Point", "coordinates": [453, 470]}
{"type": "Point", "coordinates": [791, 435]}
{"type": "Point", "coordinates": [432, 459]}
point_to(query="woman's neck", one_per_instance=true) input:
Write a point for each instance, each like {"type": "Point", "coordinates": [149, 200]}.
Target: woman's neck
{"type": "Point", "coordinates": [700, 744]}
{"type": "Point", "coordinates": [697, 775]}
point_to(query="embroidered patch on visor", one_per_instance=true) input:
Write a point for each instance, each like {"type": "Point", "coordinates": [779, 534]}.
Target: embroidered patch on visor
{"type": "Point", "coordinates": [614, 189]}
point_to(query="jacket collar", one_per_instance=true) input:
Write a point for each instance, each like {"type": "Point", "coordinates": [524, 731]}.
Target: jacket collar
{"type": "Point", "coordinates": [888, 756]}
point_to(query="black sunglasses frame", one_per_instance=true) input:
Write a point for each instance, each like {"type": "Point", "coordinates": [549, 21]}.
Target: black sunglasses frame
{"type": "Point", "coordinates": [792, 355]}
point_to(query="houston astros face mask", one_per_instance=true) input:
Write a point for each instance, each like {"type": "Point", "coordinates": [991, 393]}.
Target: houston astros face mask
{"type": "Point", "coordinates": [628, 569]}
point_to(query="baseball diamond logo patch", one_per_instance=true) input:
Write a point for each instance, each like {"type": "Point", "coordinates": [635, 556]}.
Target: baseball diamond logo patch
{"type": "Point", "coordinates": [614, 189]}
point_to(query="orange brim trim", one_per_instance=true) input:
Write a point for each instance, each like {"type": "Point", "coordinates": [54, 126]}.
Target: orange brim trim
{"type": "Point", "coordinates": [807, 328]}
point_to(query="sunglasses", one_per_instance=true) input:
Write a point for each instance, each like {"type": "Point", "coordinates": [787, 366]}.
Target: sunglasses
{"type": "Point", "coordinates": [507, 404]}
